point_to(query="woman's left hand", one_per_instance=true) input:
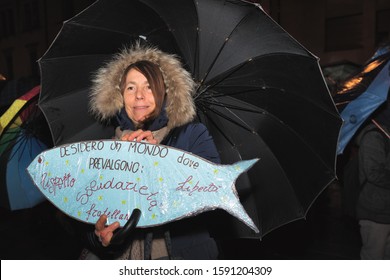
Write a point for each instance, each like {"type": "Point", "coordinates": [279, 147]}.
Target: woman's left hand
{"type": "Point", "coordinates": [140, 135]}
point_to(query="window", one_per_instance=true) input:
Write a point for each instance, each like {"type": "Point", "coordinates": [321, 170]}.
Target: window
{"type": "Point", "coordinates": [9, 64]}
{"type": "Point", "coordinates": [7, 23]}
{"type": "Point", "coordinates": [33, 54]}
{"type": "Point", "coordinates": [343, 33]}
{"type": "Point", "coordinates": [31, 18]}
{"type": "Point", "coordinates": [382, 32]}
{"type": "Point", "coordinates": [67, 9]}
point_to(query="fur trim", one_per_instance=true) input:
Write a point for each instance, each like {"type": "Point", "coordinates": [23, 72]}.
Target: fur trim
{"type": "Point", "coordinates": [106, 99]}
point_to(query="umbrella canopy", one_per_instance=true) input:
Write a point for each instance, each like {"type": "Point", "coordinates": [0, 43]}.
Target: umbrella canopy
{"type": "Point", "coordinates": [16, 115]}
{"type": "Point", "coordinates": [17, 191]}
{"type": "Point", "coordinates": [13, 89]}
{"type": "Point", "coordinates": [21, 128]}
{"type": "Point", "coordinates": [361, 95]}
{"type": "Point", "coordinates": [260, 93]}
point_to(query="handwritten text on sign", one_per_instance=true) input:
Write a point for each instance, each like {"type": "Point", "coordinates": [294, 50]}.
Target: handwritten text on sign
{"type": "Point", "coordinates": [88, 179]}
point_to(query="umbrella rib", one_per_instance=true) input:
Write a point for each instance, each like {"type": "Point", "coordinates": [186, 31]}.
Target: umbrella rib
{"type": "Point", "coordinates": [221, 78]}
{"type": "Point", "coordinates": [205, 96]}
{"type": "Point", "coordinates": [22, 145]}
{"type": "Point", "coordinates": [214, 61]}
{"type": "Point", "coordinates": [9, 140]}
{"type": "Point", "coordinates": [108, 29]}
{"type": "Point", "coordinates": [221, 49]}
{"type": "Point", "coordinates": [196, 59]}
{"type": "Point", "coordinates": [18, 142]}
{"type": "Point", "coordinates": [246, 127]}
{"type": "Point", "coordinates": [230, 106]}
{"type": "Point", "coordinates": [224, 77]}
{"type": "Point", "coordinates": [220, 130]}
{"type": "Point", "coordinates": [10, 148]}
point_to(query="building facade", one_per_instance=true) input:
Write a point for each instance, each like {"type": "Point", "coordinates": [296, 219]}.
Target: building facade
{"type": "Point", "coordinates": [27, 27]}
{"type": "Point", "coordinates": [333, 30]}
{"type": "Point", "coordinates": [336, 30]}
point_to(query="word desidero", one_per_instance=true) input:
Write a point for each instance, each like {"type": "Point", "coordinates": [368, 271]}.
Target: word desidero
{"type": "Point", "coordinates": [88, 179]}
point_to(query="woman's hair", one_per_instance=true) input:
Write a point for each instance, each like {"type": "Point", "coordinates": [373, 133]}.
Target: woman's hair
{"type": "Point", "coordinates": [155, 78]}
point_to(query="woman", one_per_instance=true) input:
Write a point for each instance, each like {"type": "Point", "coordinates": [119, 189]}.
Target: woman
{"type": "Point", "coordinates": [150, 93]}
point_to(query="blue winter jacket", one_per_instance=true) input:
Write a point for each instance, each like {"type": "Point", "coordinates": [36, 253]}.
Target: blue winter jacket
{"type": "Point", "coordinates": [188, 238]}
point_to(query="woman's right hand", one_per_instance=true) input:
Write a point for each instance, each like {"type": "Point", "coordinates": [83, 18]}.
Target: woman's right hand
{"type": "Point", "coordinates": [140, 135]}
{"type": "Point", "coordinates": [103, 232]}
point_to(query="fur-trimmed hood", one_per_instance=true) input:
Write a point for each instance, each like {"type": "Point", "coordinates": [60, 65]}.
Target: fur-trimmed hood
{"type": "Point", "coordinates": [106, 99]}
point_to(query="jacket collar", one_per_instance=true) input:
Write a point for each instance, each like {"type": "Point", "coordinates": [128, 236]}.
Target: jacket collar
{"type": "Point", "coordinates": [126, 124]}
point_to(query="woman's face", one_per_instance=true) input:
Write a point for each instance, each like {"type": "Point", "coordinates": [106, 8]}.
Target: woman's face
{"type": "Point", "coordinates": [138, 96]}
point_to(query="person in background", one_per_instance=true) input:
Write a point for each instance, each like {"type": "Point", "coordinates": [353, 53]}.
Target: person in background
{"type": "Point", "coordinates": [150, 94]}
{"type": "Point", "coordinates": [373, 207]}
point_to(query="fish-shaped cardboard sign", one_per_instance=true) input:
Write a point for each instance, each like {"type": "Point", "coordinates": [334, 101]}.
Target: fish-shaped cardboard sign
{"type": "Point", "coordinates": [88, 179]}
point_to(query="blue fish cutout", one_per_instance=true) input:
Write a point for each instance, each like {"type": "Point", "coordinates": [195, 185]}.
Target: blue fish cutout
{"type": "Point", "coordinates": [88, 179]}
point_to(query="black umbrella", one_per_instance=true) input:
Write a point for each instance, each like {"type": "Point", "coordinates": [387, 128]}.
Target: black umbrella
{"type": "Point", "coordinates": [260, 93]}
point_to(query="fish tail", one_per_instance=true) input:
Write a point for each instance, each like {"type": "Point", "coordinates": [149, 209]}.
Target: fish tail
{"type": "Point", "coordinates": [231, 202]}
{"type": "Point", "coordinates": [238, 211]}
{"type": "Point", "coordinates": [240, 167]}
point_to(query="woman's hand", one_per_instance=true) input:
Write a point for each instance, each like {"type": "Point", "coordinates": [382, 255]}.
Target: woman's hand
{"type": "Point", "coordinates": [103, 232]}
{"type": "Point", "coordinates": [140, 135]}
